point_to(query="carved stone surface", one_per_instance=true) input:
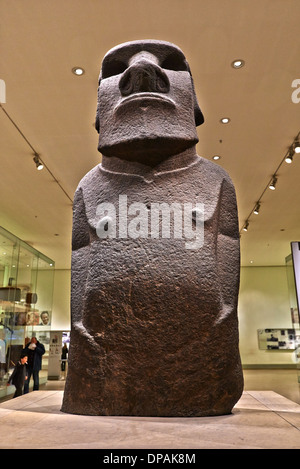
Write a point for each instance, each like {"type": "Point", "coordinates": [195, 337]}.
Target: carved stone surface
{"type": "Point", "coordinates": [154, 317]}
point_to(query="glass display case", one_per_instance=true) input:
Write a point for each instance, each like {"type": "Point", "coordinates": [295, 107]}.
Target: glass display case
{"type": "Point", "coordinates": [289, 262]}
{"type": "Point", "coordinates": [277, 339]}
{"type": "Point", "coordinates": [26, 291]}
{"type": "Point", "coordinates": [293, 277]}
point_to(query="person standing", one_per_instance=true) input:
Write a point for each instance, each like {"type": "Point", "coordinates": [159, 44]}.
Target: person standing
{"type": "Point", "coordinates": [19, 376]}
{"type": "Point", "coordinates": [64, 353]}
{"type": "Point", "coordinates": [34, 350]}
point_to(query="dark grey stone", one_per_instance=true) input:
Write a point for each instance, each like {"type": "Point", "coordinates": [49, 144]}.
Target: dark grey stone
{"type": "Point", "coordinates": [154, 318]}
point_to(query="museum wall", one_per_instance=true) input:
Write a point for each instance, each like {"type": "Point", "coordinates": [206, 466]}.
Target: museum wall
{"type": "Point", "coordinates": [263, 303]}
{"type": "Point", "coordinates": [61, 300]}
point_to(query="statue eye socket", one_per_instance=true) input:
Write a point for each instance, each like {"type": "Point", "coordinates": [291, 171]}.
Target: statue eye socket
{"type": "Point", "coordinates": [175, 62]}
{"type": "Point", "coordinates": [114, 67]}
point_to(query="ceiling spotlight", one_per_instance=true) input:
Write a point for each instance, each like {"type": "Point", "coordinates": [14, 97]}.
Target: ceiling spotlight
{"type": "Point", "coordinates": [297, 147]}
{"type": "Point", "coordinates": [216, 157]}
{"type": "Point", "coordinates": [225, 120]}
{"type": "Point", "coordinates": [238, 63]}
{"type": "Point", "coordinates": [38, 163]}
{"type": "Point", "coordinates": [272, 185]}
{"type": "Point", "coordinates": [78, 71]}
{"type": "Point", "coordinates": [289, 157]}
{"type": "Point", "coordinates": [245, 228]}
{"type": "Point", "coordinates": [257, 207]}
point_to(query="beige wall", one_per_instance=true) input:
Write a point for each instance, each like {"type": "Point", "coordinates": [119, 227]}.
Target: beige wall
{"type": "Point", "coordinates": [263, 303]}
{"type": "Point", "coordinates": [61, 301]}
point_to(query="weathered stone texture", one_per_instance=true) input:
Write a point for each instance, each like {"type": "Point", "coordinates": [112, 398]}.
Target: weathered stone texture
{"type": "Point", "coordinates": [154, 324]}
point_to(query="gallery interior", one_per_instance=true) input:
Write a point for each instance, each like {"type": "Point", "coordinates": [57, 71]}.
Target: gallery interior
{"type": "Point", "coordinates": [244, 58]}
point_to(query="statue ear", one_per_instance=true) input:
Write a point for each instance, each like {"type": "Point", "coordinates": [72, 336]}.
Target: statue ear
{"type": "Point", "coordinates": [97, 120]}
{"type": "Point", "coordinates": [199, 118]}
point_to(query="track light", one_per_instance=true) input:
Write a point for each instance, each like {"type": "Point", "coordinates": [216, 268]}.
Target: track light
{"type": "Point", "coordinates": [245, 228]}
{"type": "Point", "coordinates": [289, 157]}
{"type": "Point", "coordinates": [38, 163]}
{"type": "Point", "coordinates": [272, 185]}
{"type": "Point", "coordinates": [297, 146]}
{"type": "Point", "coordinates": [257, 207]}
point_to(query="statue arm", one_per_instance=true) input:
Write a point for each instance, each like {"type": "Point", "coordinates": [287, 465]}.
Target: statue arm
{"type": "Point", "coordinates": [80, 233]}
{"type": "Point", "coordinates": [228, 247]}
{"type": "Point", "coordinates": [80, 256]}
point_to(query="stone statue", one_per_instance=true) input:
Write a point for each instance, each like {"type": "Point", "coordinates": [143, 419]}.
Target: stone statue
{"type": "Point", "coordinates": [155, 263]}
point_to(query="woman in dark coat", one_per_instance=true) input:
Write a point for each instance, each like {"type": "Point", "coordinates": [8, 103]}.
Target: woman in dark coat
{"type": "Point", "coordinates": [19, 376]}
{"type": "Point", "coordinates": [34, 350]}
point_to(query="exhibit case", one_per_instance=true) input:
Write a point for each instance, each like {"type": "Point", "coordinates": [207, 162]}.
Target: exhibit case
{"type": "Point", "coordinates": [293, 278]}
{"type": "Point", "coordinates": [26, 294]}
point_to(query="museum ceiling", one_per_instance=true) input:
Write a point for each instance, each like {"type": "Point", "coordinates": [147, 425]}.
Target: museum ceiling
{"type": "Point", "coordinates": [51, 111]}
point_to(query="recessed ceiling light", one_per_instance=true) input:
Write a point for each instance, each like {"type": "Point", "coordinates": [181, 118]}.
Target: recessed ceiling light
{"type": "Point", "coordinates": [225, 120]}
{"type": "Point", "coordinates": [78, 71]}
{"type": "Point", "coordinates": [239, 63]}
{"type": "Point", "coordinates": [216, 157]}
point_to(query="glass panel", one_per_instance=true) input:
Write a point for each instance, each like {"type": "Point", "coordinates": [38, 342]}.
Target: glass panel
{"type": "Point", "coordinates": [26, 290]}
{"type": "Point", "coordinates": [292, 268]}
{"type": "Point", "coordinates": [10, 294]}
{"type": "Point", "coordinates": [292, 290]}
{"type": "Point", "coordinates": [276, 339]}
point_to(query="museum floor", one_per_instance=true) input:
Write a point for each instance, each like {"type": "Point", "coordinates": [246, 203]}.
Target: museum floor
{"type": "Point", "coordinates": [266, 417]}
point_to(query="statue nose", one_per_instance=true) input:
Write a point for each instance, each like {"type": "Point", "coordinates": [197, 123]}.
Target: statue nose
{"type": "Point", "coordinates": [144, 76]}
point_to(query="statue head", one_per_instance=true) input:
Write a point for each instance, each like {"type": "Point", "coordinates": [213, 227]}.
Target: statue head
{"type": "Point", "coordinates": [147, 107]}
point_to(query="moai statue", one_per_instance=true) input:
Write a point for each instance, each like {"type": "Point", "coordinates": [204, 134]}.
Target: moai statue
{"type": "Point", "coordinates": [155, 263]}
